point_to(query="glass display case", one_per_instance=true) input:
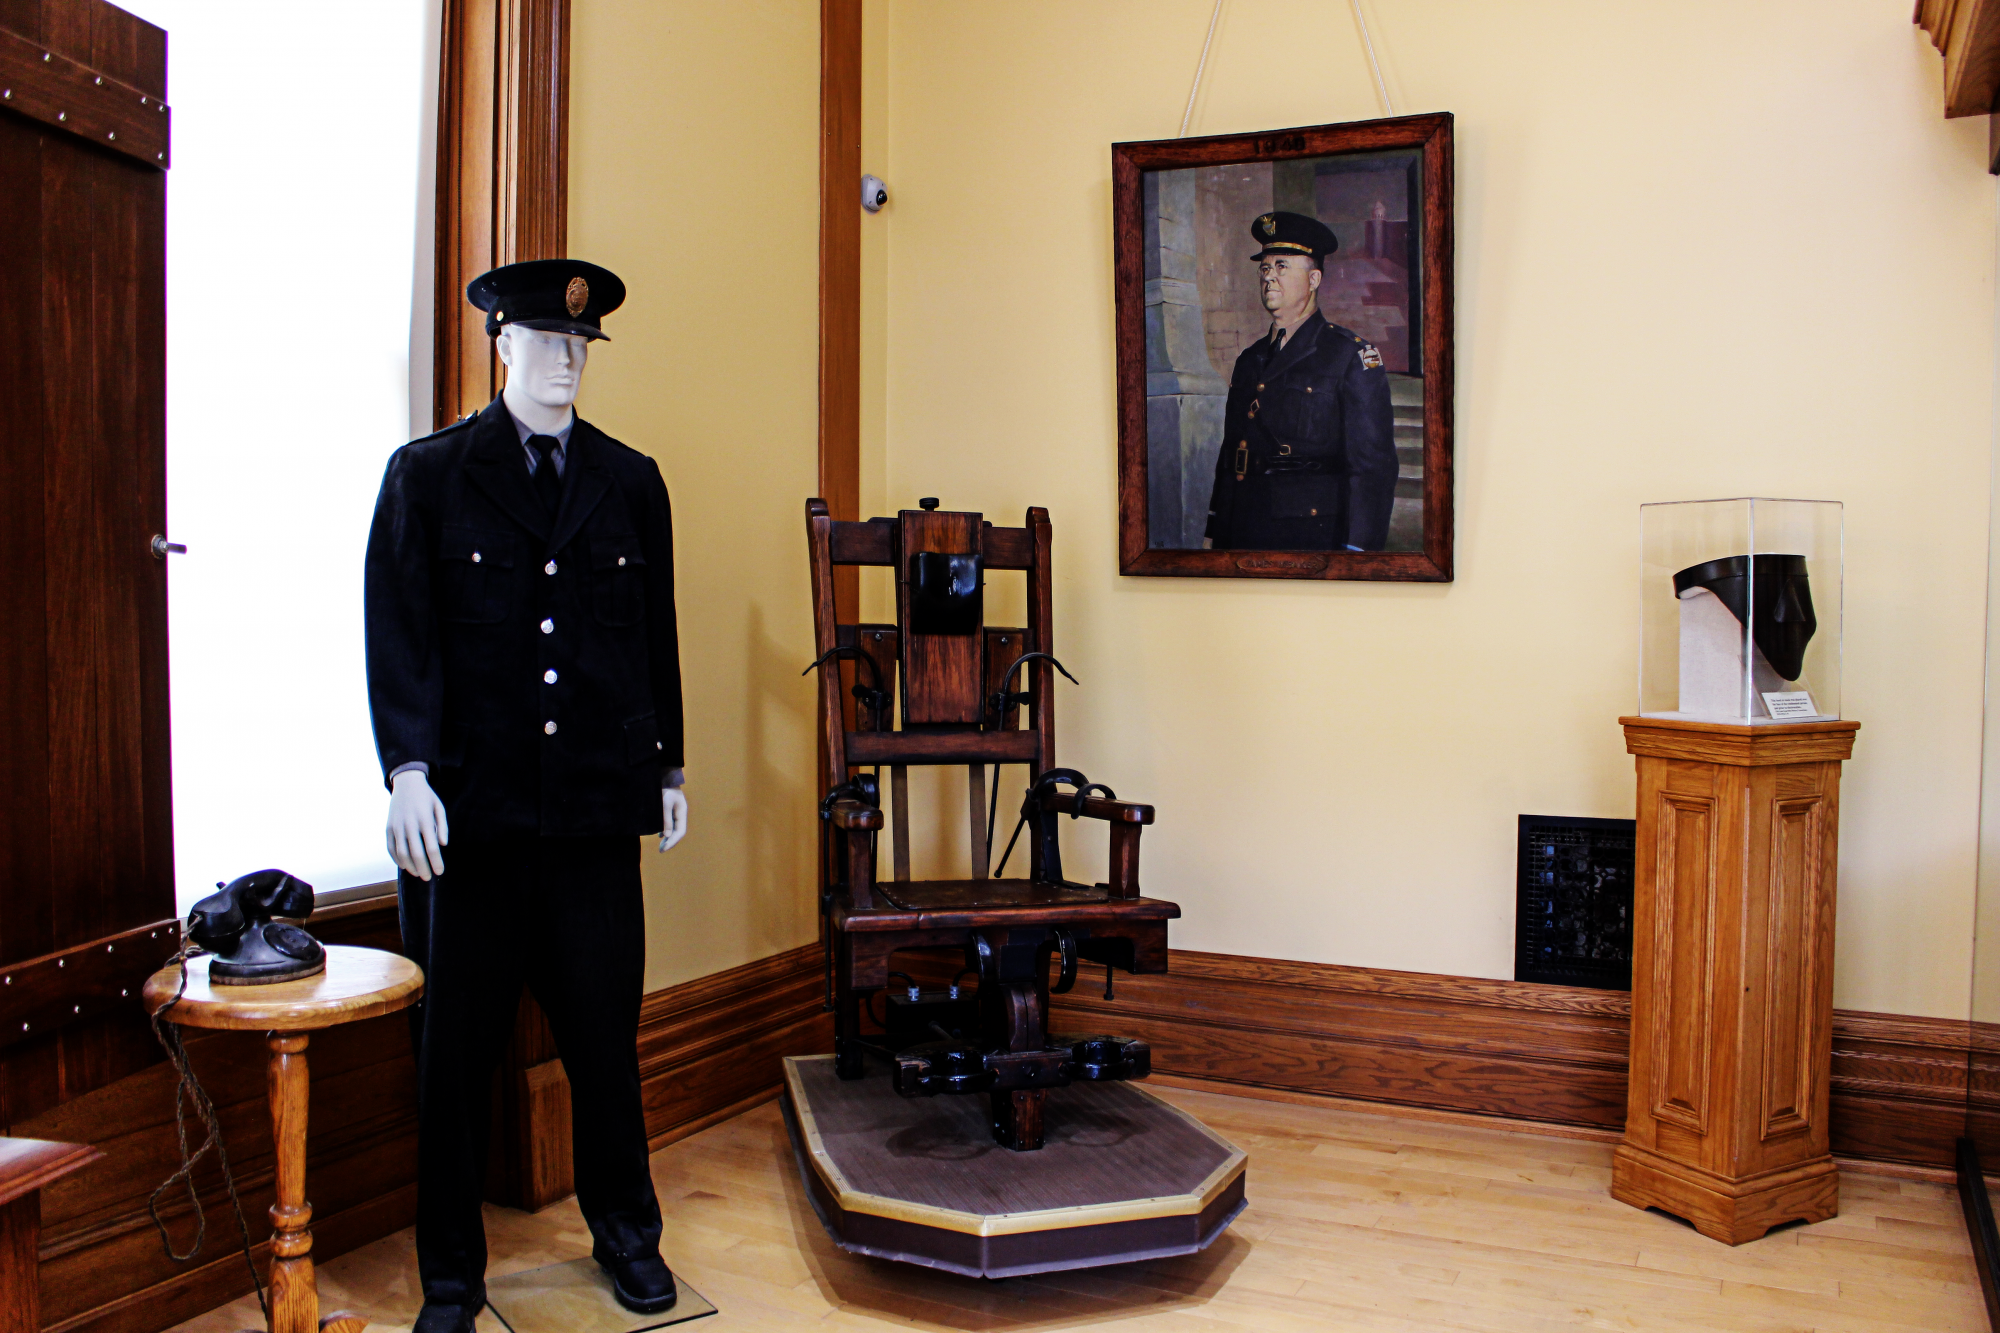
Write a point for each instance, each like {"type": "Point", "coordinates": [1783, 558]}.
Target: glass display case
{"type": "Point", "coordinates": [1739, 610]}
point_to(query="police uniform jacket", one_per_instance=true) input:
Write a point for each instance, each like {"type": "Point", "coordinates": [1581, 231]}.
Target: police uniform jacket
{"type": "Point", "coordinates": [1308, 458]}
{"type": "Point", "coordinates": [528, 659]}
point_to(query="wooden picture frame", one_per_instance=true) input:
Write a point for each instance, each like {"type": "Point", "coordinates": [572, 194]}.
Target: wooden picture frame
{"type": "Point", "coordinates": [1184, 323]}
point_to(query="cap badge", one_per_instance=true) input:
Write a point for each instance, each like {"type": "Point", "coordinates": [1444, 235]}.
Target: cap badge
{"type": "Point", "coordinates": [576, 296]}
{"type": "Point", "coordinates": [1268, 224]}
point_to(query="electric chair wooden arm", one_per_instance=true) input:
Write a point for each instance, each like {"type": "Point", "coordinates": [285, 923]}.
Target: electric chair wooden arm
{"type": "Point", "coordinates": [964, 690]}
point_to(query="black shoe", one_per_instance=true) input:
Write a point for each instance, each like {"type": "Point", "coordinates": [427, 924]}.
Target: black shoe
{"type": "Point", "coordinates": [438, 1318]}
{"type": "Point", "coordinates": [643, 1284]}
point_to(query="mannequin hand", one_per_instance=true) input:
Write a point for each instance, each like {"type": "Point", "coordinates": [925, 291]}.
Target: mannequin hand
{"type": "Point", "coordinates": [417, 827]}
{"type": "Point", "coordinates": [674, 812]}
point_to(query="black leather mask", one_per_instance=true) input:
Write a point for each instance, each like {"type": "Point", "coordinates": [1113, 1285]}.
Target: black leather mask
{"type": "Point", "coordinates": [945, 593]}
{"type": "Point", "coordinates": [1784, 612]}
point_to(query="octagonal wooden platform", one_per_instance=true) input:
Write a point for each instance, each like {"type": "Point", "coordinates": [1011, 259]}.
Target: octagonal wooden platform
{"type": "Point", "coordinates": [1124, 1175]}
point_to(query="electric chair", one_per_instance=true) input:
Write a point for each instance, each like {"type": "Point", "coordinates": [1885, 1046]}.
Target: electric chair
{"type": "Point", "coordinates": [1113, 1173]}
{"type": "Point", "coordinates": [974, 695]}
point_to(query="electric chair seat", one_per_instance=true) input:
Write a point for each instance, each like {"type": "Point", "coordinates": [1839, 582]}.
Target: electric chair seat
{"type": "Point", "coordinates": [963, 690]}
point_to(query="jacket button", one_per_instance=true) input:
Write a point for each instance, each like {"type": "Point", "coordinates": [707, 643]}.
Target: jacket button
{"type": "Point", "coordinates": [549, 676]}
{"type": "Point", "coordinates": [475, 557]}
{"type": "Point", "coordinates": [1260, 388]}
{"type": "Point", "coordinates": [621, 560]}
{"type": "Point", "coordinates": [548, 627]}
{"type": "Point", "coordinates": [549, 728]}
{"type": "Point", "coordinates": [658, 746]}
{"type": "Point", "coordinates": [550, 567]}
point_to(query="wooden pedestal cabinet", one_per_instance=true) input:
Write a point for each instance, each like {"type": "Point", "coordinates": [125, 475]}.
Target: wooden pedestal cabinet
{"type": "Point", "coordinates": [1732, 974]}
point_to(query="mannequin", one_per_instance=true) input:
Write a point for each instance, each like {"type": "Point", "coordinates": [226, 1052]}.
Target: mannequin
{"type": "Point", "coordinates": [524, 683]}
{"type": "Point", "coordinates": [544, 372]}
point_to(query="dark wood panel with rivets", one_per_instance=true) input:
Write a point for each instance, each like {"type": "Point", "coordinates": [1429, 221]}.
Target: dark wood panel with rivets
{"type": "Point", "coordinates": [72, 96]}
{"type": "Point", "coordinates": [86, 852]}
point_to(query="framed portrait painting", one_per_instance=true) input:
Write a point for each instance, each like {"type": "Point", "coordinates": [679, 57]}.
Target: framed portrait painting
{"type": "Point", "coordinates": [1284, 352]}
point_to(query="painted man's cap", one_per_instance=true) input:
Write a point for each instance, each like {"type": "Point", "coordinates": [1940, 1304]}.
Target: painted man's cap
{"type": "Point", "coordinates": [1292, 234]}
{"type": "Point", "coordinates": [558, 295]}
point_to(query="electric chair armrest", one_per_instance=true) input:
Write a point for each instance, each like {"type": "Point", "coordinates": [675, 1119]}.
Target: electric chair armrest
{"type": "Point", "coordinates": [856, 824]}
{"type": "Point", "coordinates": [1096, 807]}
{"type": "Point", "coordinates": [854, 817]}
{"type": "Point", "coordinates": [1126, 819]}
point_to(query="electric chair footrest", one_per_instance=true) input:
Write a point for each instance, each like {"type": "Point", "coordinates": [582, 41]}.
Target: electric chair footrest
{"type": "Point", "coordinates": [957, 1067]}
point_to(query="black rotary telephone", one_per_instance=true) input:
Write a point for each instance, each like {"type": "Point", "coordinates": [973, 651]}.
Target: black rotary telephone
{"type": "Point", "coordinates": [250, 947]}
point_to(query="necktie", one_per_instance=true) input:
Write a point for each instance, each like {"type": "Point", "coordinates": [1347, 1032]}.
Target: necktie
{"type": "Point", "coordinates": [547, 484]}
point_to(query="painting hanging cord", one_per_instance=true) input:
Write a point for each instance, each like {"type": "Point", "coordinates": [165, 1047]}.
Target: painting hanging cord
{"type": "Point", "coordinates": [1201, 65]}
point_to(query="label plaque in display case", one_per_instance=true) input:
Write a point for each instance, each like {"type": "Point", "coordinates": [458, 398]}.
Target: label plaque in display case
{"type": "Point", "coordinates": [1573, 923]}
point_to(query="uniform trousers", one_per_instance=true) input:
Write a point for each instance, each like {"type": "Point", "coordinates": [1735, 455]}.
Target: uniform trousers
{"type": "Point", "coordinates": [564, 917]}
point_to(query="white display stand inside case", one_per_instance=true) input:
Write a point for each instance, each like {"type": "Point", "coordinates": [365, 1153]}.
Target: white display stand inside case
{"type": "Point", "coordinates": [1740, 610]}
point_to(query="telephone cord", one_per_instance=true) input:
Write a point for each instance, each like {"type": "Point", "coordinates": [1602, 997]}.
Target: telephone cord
{"type": "Point", "coordinates": [188, 1091]}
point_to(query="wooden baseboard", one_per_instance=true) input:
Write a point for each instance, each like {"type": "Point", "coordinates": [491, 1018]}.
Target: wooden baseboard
{"type": "Point", "coordinates": [708, 1049]}
{"type": "Point", "coordinates": [1396, 1110]}
{"type": "Point", "coordinates": [217, 1281]}
{"type": "Point", "coordinates": [1549, 1059]}
{"type": "Point", "coordinates": [719, 1042]}
{"type": "Point", "coordinates": [1542, 1059]}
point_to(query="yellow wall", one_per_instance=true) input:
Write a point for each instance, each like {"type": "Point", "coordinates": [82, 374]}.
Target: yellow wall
{"type": "Point", "coordinates": [694, 176]}
{"type": "Point", "coordinates": [1704, 249]}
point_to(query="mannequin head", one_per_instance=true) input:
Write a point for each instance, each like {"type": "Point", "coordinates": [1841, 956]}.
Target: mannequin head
{"type": "Point", "coordinates": [544, 372]}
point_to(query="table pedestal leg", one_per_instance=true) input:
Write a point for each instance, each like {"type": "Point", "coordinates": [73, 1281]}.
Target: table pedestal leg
{"type": "Point", "coordinates": [294, 1297]}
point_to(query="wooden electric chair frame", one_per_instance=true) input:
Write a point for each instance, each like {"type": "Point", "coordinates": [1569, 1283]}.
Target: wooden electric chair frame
{"type": "Point", "coordinates": [865, 924]}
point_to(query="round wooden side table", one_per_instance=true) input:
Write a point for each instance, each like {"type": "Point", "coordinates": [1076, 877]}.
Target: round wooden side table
{"type": "Point", "coordinates": [357, 984]}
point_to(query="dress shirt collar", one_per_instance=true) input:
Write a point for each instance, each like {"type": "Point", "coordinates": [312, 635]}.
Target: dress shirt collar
{"type": "Point", "coordinates": [560, 453]}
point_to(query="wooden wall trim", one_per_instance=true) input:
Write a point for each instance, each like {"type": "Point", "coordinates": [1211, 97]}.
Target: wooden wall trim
{"type": "Point", "coordinates": [840, 291]}
{"type": "Point", "coordinates": [712, 1047]}
{"type": "Point", "coordinates": [1550, 1058]}
{"type": "Point", "coordinates": [502, 173]}
{"type": "Point", "coordinates": [708, 1049]}
{"type": "Point", "coordinates": [1967, 34]}
{"type": "Point", "coordinates": [840, 258]}
{"type": "Point", "coordinates": [1536, 1055]}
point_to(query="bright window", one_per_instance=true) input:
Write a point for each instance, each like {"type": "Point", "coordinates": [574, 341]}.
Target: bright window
{"type": "Point", "coordinates": [293, 234]}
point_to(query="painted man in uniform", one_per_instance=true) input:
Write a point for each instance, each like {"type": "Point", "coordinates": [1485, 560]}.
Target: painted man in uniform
{"type": "Point", "coordinates": [524, 680]}
{"type": "Point", "coordinates": [1308, 458]}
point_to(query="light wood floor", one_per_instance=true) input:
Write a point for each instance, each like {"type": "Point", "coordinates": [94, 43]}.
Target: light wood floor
{"type": "Point", "coordinates": [1356, 1221]}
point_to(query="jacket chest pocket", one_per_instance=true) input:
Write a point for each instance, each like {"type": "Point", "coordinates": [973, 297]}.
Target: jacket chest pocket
{"type": "Point", "coordinates": [1306, 410]}
{"type": "Point", "coordinates": [617, 580]}
{"type": "Point", "coordinates": [475, 570]}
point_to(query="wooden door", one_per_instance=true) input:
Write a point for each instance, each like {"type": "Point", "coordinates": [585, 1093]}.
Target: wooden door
{"type": "Point", "coordinates": [86, 837]}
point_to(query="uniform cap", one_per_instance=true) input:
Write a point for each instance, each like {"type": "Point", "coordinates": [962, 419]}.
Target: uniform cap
{"type": "Point", "coordinates": [556, 295]}
{"type": "Point", "coordinates": [1292, 234]}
